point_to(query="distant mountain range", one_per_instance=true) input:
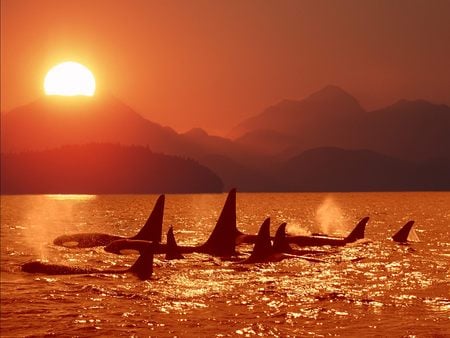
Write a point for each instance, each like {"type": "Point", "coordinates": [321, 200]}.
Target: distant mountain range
{"type": "Point", "coordinates": [314, 144]}
{"type": "Point", "coordinates": [414, 130]}
{"type": "Point", "coordinates": [335, 169]}
{"type": "Point", "coordinates": [52, 121]}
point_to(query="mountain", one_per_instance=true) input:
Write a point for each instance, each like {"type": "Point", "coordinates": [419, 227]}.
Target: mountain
{"type": "Point", "coordinates": [334, 169]}
{"type": "Point", "coordinates": [55, 121]}
{"type": "Point", "coordinates": [217, 145]}
{"type": "Point", "coordinates": [416, 134]}
{"type": "Point", "coordinates": [267, 141]}
{"type": "Point", "coordinates": [237, 166]}
{"type": "Point", "coordinates": [318, 110]}
{"type": "Point", "coordinates": [414, 130]}
{"type": "Point", "coordinates": [321, 119]}
{"type": "Point", "coordinates": [103, 169]}
{"type": "Point", "coordinates": [52, 122]}
{"type": "Point", "coordinates": [236, 174]}
{"type": "Point", "coordinates": [411, 130]}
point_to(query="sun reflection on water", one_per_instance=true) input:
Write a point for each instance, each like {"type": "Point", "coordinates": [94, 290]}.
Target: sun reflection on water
{"type": "Point", "coordinates": [71, 197]}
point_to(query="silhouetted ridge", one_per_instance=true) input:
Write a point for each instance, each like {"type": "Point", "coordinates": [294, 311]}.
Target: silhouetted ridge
{"type": "Point", "coordinates": [103, 168]}
{"type": "Point", "coordinates": [413, 130]}
{"type": "Point", "coordinates": [337, 96]}
{"type": "Point", "coordinates": [334, 169]}
{"type": "Point", "coordinates": [412, 135]}
{"type": "Point", "coordinates": [51, 122]}
{"type": "Point", "coordinates": [419, 105]}
{"type": "Point", "coordinates": [196, 132]}
{"type": "Point", "coordinates": [266, 141]}
{"type": "Point", "coordinates": [294, 117]}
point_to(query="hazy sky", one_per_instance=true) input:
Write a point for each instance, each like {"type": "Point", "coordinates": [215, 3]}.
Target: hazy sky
{"type": "Point", "coordinates": [213, 63]}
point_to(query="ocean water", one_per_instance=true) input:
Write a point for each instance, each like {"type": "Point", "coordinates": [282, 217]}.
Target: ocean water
{"type": "Point", "coordinates": [374, 287]}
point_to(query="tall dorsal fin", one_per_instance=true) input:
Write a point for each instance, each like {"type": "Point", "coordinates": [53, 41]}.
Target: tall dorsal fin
{"type": "Point", "coordinates": [172, 249]}
{"type": "Point", "coordinates": [402, 235]}
{"type": "Point", "coordinates": [280, 244]}
{"type": "Point", "coordinates": [263, 247]}
{"type": "Point", "coordinates": [358, 231]}
{"type": "Point", "coordinates": [143, 267]}
{"type": "Point", "coordinates": [152, 229]}
{"type": "Point", "coordinates": [222, 241]}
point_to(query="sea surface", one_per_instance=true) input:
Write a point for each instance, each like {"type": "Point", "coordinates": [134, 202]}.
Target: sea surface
{"type": "Point", "coordinates": [374, 287]}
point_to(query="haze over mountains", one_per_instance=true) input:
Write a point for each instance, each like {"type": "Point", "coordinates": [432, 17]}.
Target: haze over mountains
{"type": "Point", "coordinates": [268, 152]}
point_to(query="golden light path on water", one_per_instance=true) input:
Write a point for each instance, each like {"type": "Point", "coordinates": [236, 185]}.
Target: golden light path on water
{"type": "Point", "coordinates": [75, 197]}
{"type": "Point", "coordinates": [371, 287]}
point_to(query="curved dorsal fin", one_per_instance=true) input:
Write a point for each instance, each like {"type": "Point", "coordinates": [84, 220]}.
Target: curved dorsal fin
{"type": "Point", "coordinates": [280, 244]}
{"type": "Point", "coordinates": [143, 267]}
{"type": "Point", "coordinates": [152, 229]}
{"type": "Point", "coordinates": [172, 251]}
{"type": "Point", "coordinates": [263, 247]}
{"type": "Point", "coordinates": [358, 231]}
{"type": "Point", "coordinates": [402, 235]}
{"type": "Point", "coordinates": [222, 241]}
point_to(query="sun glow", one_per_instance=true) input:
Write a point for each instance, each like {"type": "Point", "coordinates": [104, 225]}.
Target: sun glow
{"type": "Point", "coordinates": [69, 79]}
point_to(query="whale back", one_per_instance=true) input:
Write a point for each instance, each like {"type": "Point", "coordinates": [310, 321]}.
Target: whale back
{"type": "Point", "coordinates": [56, 269]}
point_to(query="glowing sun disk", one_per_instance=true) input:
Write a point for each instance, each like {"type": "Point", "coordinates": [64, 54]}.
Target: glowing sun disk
{"type": "Point", "coordinates": [69, 79]}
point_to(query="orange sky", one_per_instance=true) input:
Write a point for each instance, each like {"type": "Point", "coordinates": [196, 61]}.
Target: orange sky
{"type": "Point", "coordinates": [213, 63]}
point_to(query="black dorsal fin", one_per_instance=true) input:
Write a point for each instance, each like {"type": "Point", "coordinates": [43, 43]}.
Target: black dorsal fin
{"type": "Point", "coordinates": [222, 241]}
{"type": "Point", "coordinates": [358, 231]}
{"type": "Point", "coordinates": [402, 235]}
{"type": "Point", "coordinates": [172, 249]}
{"type": "Point", "coordinates": [143, 267]}
{"type": "Point", "coordinates": [263, 247]}
{"type": "Point", "coordinates": [152, 229]}
{"type": "Point", "coordinates": [280, 244]}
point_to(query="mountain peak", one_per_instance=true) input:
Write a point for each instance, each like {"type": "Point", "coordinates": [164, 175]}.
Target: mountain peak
{"type": "Point", "coordinates": [327, 106]}
{"type": "Point", "coordinates": [196, 132]}
{"type": "Point", "coordinates": [49, 122]}
{"type": "Point", "coordinates": [334, 94]}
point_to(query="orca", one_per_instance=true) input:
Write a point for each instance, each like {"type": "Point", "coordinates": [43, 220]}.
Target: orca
{"type": "Point", "coordinates": [221, 242]}
{"type": "Point", "coordinates": [321, 240]}
{"type": "Point", "coordinates": [172, 249]}
{"type": "Point", "coordinates": [128, 246]}
{"type": "Point", "coordinates": [280, 244]}
{"type": "Point", "coordinates": [142, 267]}
{"type": "Point", "coordinates": [151, 231]}
{"type": "Point", "coordinates": [264, 251]}
{"type": "Point", "coordinates": [402, 235]}
{"type": "Point", "coordinates": [315, 239]}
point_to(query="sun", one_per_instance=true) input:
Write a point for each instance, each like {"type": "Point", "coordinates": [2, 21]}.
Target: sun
{"type": "Point", "coordinates": [69, 79]}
